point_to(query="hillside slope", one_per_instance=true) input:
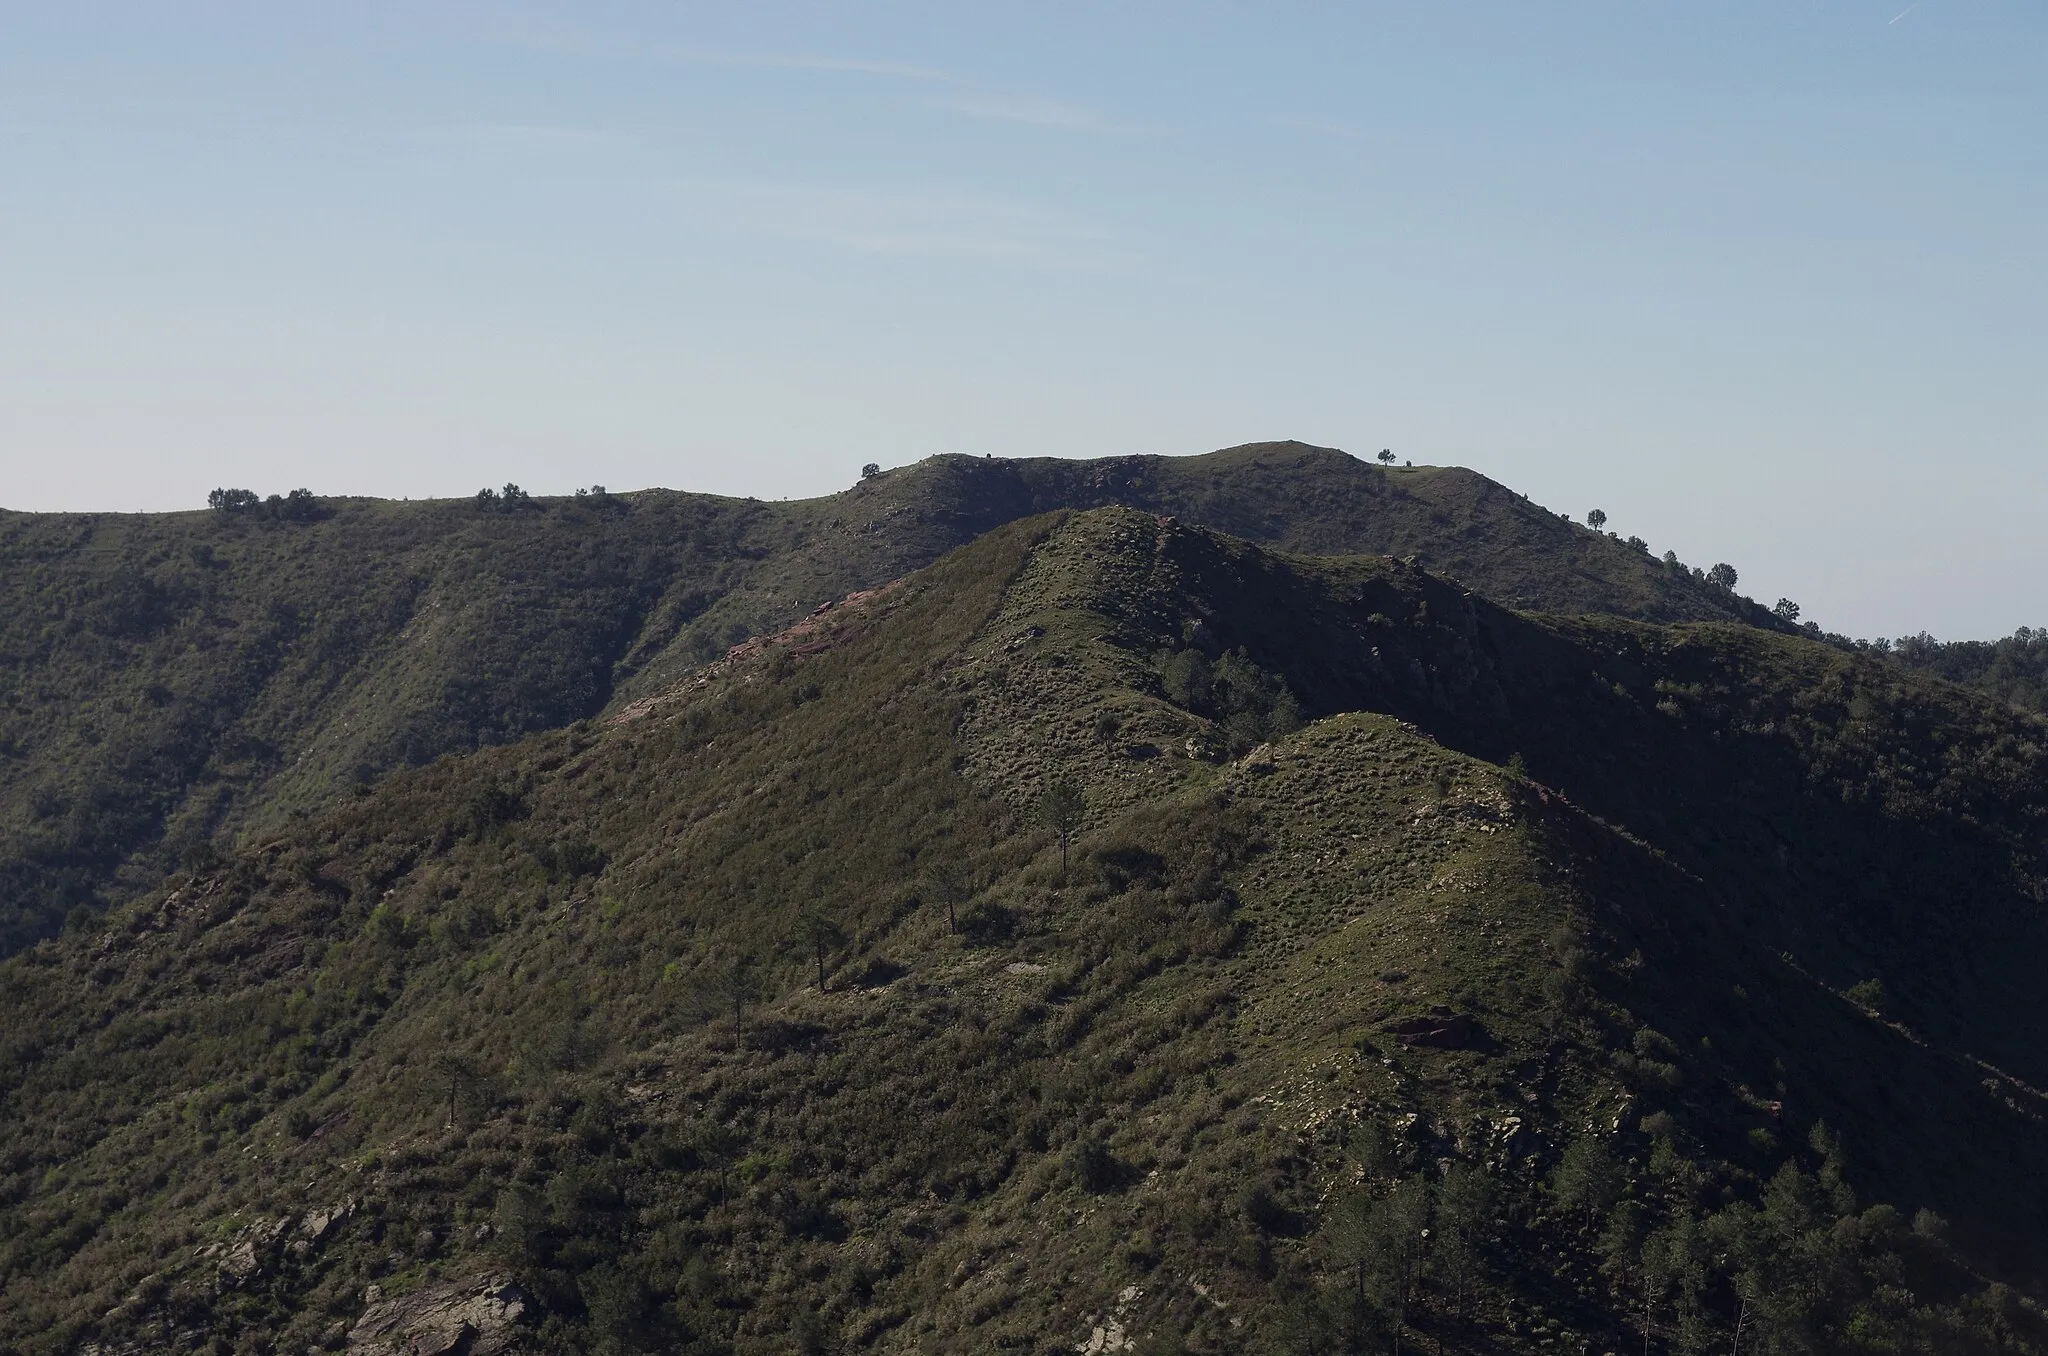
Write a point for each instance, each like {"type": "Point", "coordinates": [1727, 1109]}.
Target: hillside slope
{"type": "Point", "coordinates": [2014, 668]}
{"type": "Point", "coordinates": [772, 1015]}
{"type": "Point", "coordinates": [169, 679]}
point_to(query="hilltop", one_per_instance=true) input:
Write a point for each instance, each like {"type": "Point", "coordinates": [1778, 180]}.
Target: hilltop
{"type": "Point", "coordinates": [170, 681]}
{"type": "Point", "coordinates": [2014, 668]}
{"type": "Point", "coordinates": [1674, 976]}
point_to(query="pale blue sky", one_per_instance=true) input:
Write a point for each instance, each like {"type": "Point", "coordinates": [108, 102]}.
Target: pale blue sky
{"type": "Point", "coordinates": [1766, 281]}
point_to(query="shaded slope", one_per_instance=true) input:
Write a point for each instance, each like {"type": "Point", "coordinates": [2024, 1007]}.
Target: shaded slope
{"type": "Point", "coordinates": [1877, 824]}
{"type": "Point", "coordinates": [490, 1008]}
{"type": "Point", "coordinates": [1852, 823]}
{"type": "Point", "coordinates": [165, 679]}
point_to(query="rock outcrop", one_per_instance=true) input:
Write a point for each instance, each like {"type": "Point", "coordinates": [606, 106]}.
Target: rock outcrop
{"type": "Point", "coordinates": [476, 1317]}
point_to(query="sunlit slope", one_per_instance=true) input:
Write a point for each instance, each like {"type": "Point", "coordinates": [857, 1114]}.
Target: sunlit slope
{"type": "Point", "coordinates": [548, 1017]}
{"type": "Point", "coordinates": [169, 680]}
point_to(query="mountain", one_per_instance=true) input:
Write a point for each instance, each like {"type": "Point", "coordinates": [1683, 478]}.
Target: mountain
{"type": "Point", "coordinates": [1117, 936]}
{"type": "Point", "coordinates": [168, 680]}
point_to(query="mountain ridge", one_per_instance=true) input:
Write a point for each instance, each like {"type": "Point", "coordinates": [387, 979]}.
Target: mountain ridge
{"type": "Point", "coordinates": [171, 679]}
{"type": "Point", "coordinates": [1384, 899]}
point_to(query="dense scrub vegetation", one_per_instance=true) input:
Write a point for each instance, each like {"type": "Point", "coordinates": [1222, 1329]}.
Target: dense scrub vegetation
{"type": "Point", "coordinates": [2014, 668]}
{"type": "Point", "coordinates": [1417, 972]}
{"type": "Point", "coordinates": [168, 680]}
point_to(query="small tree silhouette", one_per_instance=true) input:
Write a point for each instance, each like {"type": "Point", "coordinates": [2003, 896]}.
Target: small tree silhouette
{"type": "Point", "coordinates": [735, 984]}
{"type": "Point", "coordinates": [1465, 1211]}
{"type": "Point", "coordinates": [1380, 1240]}
{"type": "Point", "coordinates": [1596, 519]}
{"type": "Point", "coordinates": [1625, 1257]}
{"type": "Point", "coordinates": [1062, 809]}
{"type": "Point", "coordinates": [823, 934]}
{"type": "Point", "coordinates": [1386, 456]}
{"type": "Point", "coordinates": [949, 885]}
{"type": "Point", "coordinates": [459, 1072]}
{"type": "Point", "coordinates": [720, 1146]}
{"type": "Point", "coordinates": [1587, 1177]}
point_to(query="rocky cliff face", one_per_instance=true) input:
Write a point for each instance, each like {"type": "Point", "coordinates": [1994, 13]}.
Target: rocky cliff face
{"type": "Point", "coordinates": [481, 1316]}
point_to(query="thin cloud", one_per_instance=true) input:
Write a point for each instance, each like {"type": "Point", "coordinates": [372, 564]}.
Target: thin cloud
{"type": "Point", "coordinates": [934, 223]}
{"type": "Point", "coordinates": [580, 42]}
{"type": "Point", "coordinates": [523, 136]}
{"type": "Point", "coordinates": [972, 101]}
{"type": "Point", "coordinates": [798, 61]}
{"type": "Point", "coordinates": [1032, 112]}
{"type": "Point", "coordinates": [1324, 127]}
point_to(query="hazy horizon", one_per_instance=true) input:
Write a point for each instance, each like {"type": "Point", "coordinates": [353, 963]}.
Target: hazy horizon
{"type": "Point", "coordinates": [1764, 285]}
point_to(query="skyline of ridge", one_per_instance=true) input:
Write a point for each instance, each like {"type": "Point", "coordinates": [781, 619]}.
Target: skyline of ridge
{"type": "Point", "coordinates": [1762, 283]}
{"type": "Point", "coordinates": [1742, 589]}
